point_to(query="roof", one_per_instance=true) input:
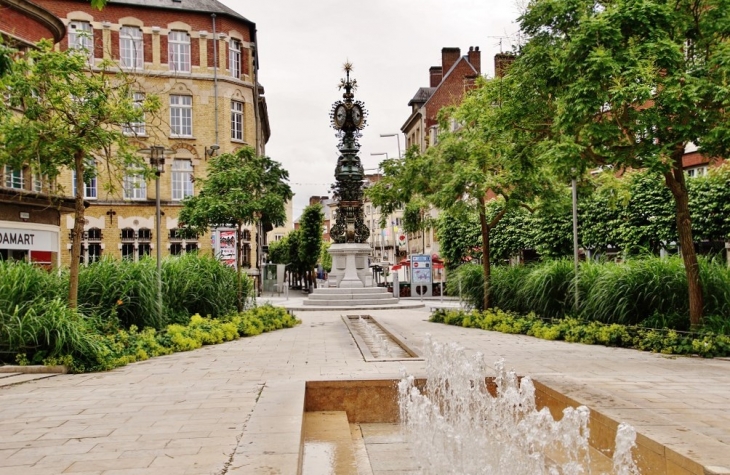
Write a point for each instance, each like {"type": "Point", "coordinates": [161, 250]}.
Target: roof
{"type": "Point", "coordinates": [206, 6]}
{"type": "Point", "coordinates": [422, 95]}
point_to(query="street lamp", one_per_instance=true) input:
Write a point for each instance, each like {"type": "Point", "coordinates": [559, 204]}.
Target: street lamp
{"type": "Point", "coordinates": [157, 155]}
{"type": "Point", "coordinates": [397, 136]}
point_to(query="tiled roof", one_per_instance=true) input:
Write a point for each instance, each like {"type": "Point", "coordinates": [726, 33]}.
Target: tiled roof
{"type": "Point", "coordinates": [422, 95]}
{"type": "Point", "coordinates": [206, 6]}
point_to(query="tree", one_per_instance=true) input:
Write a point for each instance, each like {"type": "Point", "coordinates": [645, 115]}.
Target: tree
{"type": "Point", "coordinates": [242, 188]}
{"type": "Point", "coordinates": [325, 258]}
{"type": "Point", "coordinates": [632, 83]}
{"type": "Point", "coordinates": [310, 245]}
{"type": "Point", "coordinates": [60, 114]}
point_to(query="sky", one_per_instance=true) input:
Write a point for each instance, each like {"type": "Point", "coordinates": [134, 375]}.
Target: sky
{"type": "Point", "coordinates": [391, 43]}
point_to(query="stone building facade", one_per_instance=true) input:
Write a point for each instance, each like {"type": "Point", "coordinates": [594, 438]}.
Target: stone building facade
{"type": "Point", "coordinates": [30, 216]}
{"type": "Point", "coordinates": [199, 58]}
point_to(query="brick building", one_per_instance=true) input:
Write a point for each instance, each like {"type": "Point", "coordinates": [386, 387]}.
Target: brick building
{"type": "Point", "coordinates": [448, 82]}
{"type": "Point", "coordinates": [30, 215]}
{"type": "Point", "coordinates": [199, 57]}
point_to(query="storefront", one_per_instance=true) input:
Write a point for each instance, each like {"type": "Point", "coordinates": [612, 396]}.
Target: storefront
{"type": "Point", "coordinates": [37, 243]}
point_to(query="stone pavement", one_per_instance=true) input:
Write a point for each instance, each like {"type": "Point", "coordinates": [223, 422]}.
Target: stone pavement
{"type": "Point", "coordinates": [193, 413]}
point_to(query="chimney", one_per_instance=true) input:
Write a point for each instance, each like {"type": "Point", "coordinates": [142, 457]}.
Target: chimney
{"type": "Point", "coordinates": [475, 58]}
{"type": "Point", "coordinates": [313, 200]}
{"type": "Point", "coordinates": [449, 56]}
{"type": "Point", "coordinates": [437, 74]}
{"type": "Point", "coordinates": [502, 62]}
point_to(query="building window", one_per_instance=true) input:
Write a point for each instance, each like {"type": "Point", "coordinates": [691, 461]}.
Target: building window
{"type": "Point", "coordinates": [182, 179]}
{"type": "Point", "coordinates": [93, 253]}
{"type": "Point", "coordinates": [128, 252]}
{"type": "Point", "coordinates": [181, 116]}
{"type": "Point", "coordinates": [234, 58]}
{"type": "Point", "coordinates": [14, 178]}
{"type": "Point", "coordinates": [191, 247]}
{"type": "Point", "coordinates": [136, 128]}
{"type": "Point", "coordinates": [130, 47]}
{"type": "Point", "coordinates": [135, 187]}
{"type": "Point", "coordinates": [81, 37]}
{"type": "Point", "coordinates": [179, 48]}
{"type": "Point", "coordinates": [143, 249]}
{"type": "Point", "coordinates": [90, 188]}
{"type": "Point", "coordinates": [127, 234]}
{"type": "Point", "coordinates": [93, 235]}
{"type": "Point", "coordinates": [144, 234]}
{"type": "Point", "coordinates": [236, 120]}
{"type": "Point", "coordinates": [696, 172]}
{"type": "Point", "coordinates": [247, 255]}
{"type": "Point", "coordinates": [175, 249]}
{"type": "Point", "coordinates": [37, 182]}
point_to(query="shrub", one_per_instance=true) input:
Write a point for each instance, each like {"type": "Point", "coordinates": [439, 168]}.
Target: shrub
{"type": "Point", "coordinates": [195, 284]}
{"type": "Point", "coordinates": [705, 344]}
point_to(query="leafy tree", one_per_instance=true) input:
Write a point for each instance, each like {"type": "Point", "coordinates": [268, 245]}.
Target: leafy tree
{"type": "Point", "coordinates": [459, 237]}
{"type": "Point", "coordinates": [63, 115]}
{"type": "Point", "coordinates": [600, 207]}
{"type": "Point", "coordinates": [631, 84]}
{"type": "Point", "coordinates": [310, 245]}
{"type": "Point", "coordinates": [279, 251]}
{"type": "Point", "coordinates": [242, 188]}
{"type": "Point", "coordinates": [325, 258]}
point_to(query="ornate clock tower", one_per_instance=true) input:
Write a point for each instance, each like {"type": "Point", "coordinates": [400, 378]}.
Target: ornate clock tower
{"type": "Point", "coordinates": [349, 233]}
{"type": "Point", "coordinates": [349, 251]}
{"type": "Point", "coordinates": [348, 119]}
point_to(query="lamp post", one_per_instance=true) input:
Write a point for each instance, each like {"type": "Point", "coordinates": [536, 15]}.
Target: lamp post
{"type": "Point", "coordinates": [382, 246]}
{"type": "Point", "coordinates": [574, 187]}
{"type": "Point", "coordinates": [157, 159]}
{"type": "Point", "coordinates": [397, 136]}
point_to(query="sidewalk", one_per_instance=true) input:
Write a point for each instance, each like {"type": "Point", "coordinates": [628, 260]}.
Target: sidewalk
{"type": "Point", "coordinates": [189, 413]}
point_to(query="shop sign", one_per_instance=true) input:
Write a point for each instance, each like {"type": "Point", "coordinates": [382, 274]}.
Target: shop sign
{"type": "Point", "coordinates": [28, 239]}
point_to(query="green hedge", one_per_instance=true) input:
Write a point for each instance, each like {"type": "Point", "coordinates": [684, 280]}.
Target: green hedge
{"type": "Point", "coordinates": [647, 290]}
{"type": "Point", "coordinates": [672, 342]}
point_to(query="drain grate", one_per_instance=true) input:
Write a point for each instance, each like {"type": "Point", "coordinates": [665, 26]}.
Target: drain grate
{"type": "Point", "coordinates": [376, 343]}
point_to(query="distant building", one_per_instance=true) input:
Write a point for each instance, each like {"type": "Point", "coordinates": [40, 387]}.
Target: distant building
{"type": "Point", "coordinates": [30, 211]}
{"type": "Point", "coordinates": [448, 83]}
{"type": "Point", "coordinates": [327, 207]}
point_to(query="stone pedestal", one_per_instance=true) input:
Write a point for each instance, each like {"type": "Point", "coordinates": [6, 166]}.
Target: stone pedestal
{"type": "Point", "coordinates": [349, 265]}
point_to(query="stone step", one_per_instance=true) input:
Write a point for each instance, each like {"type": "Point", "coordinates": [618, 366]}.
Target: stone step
{"type": "Point", "coordinates": [359, 290]}
{"type": "Point", "coordinates": [349, 303]}
{"type": "Point", "coordinates": [350, 296]}
{"type": "Point", "coordinates": [328, 445]}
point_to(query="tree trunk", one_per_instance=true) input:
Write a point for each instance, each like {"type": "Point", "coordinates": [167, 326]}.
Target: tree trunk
{"type": "Point", "coordinates": [77, 232]}
{"type": "Point", "coordinates": [239, 266]}
{"type": "Point", "coordinates": [676, 182]}
{"type": "Point", "coordinates": [485, 251]}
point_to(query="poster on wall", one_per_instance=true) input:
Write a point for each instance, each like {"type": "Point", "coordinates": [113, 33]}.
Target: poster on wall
{"type": "Point", "coordinates": [227, 248]}
{"type": "Point", "coordinates": [420, 269]}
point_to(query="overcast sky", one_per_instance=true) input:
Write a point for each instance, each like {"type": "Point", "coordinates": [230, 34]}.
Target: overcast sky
{"type": "Point", "coordinates": [391, 43]}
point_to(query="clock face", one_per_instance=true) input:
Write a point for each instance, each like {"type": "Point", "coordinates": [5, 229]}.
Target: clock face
{"type": "Point", "coordinates": [340, 115]}
{"type": "Point", "coordinates": [356, 115]}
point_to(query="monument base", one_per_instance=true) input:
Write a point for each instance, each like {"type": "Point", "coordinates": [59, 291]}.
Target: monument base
{"type": "Point", "coordinates": [349, 265]}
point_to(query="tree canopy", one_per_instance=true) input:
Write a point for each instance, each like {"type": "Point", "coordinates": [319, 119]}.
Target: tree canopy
{"type": "Point", "coordinates": [58, 114]}
{"type": "Point", "coordinates": [632, 83]}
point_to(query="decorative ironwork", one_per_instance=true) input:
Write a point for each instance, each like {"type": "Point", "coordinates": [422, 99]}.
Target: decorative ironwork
{"type": "Point", "coordinates": [349, 117]}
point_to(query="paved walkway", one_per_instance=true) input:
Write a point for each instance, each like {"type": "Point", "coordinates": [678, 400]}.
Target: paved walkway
{"type": "Point", "coordinates": [191, 413]}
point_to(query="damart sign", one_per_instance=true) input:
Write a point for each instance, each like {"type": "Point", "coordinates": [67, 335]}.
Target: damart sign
{"type": "Point", "coordinates": [28, 239]}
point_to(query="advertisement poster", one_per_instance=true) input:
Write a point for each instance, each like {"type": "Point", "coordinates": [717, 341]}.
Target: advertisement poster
{"type": "Point", "coordinates": [421, 269]}
{"type": "Point", "coordinates": [227, 248]}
